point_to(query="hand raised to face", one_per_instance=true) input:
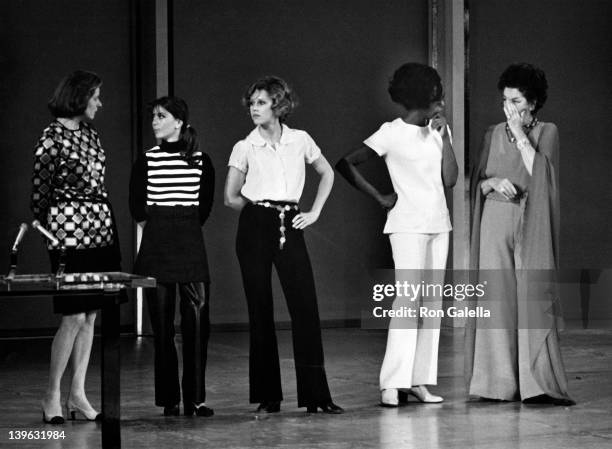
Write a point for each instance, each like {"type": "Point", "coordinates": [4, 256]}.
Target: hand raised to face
{"type": "Point", "coordinates": [439, 123]}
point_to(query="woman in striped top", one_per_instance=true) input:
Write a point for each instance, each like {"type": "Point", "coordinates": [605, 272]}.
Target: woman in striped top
{"type": "Point", "coordinates": [171, 194]}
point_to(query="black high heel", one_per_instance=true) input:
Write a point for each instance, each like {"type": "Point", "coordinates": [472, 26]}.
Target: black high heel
{"type": "Point", "coordinates": [53, 420]}
{"type": "Point", "coordinates": [199, 410]}
{"type": "Point", "coordinates": [326, 407]}
{"type": "Point", "coordinates": [202, 410]}
{"type": "Point", "coordinates": [56, 419]}
{"type": "Point", "coordinates": [269, 407]}
{"type": "Point", "coordinates": [172, 410]}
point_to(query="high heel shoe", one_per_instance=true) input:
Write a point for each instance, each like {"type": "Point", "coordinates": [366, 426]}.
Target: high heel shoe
{"type": "Point", "coordinates": [423, 395]}
{"type": "Point", "coordinates": [89, 415]}
{"type": "Point", "coordinates": [269, 407]}
{"type": "Point", "coordinates": [326, 407]}
{"type": "Point", "coordinates": [54, 419]}
{"type": "Point", "coordinates": [389, 397]}
{"type": "Point", "coordinates": [172, 410]}
{"type": "Point", "coordinates": [198, 409]}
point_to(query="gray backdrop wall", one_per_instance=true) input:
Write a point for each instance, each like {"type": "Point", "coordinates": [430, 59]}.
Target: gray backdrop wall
{"type": "Point", "coordinates": [572, 43]}
{"type": "Point", "coordinates": [339, 59]}
{"type": "Point", "coordinates": [40, 43]}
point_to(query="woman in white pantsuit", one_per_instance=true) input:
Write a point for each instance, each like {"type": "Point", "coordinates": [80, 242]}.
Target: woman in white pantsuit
{"type": "Point", "coordinates": [418, 154]}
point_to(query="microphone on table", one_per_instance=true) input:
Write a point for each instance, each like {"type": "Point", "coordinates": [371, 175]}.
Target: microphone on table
{"type": "Point", "coordinates": [13, 262]}
{"type": "Point", "coordinates": [23, 227]}
{"type": "Point", "coordinates": [36, 225]}
{"type": "Point", "coordinates": [62, 258]}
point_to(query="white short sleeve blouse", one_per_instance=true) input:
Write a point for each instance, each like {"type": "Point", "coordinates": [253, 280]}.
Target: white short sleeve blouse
{"type": "Point", "coordinates": [274, 174]}
{"type": "Point", "coordinates": [413, 155]}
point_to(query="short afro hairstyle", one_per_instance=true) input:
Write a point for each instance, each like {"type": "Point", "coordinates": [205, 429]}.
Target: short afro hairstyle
{"type": "Point", "coordinates": [529, 80]}
{"type": "Point", "coordinates": [415, 86]}
{"type": "Point", "coordinates": [73, 93]}
{"type": "Point", "coordinates": [283, 98]}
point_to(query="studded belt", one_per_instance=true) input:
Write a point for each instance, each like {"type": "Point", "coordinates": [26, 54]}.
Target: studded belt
{"type": "Point", "coordinates": [282, 209]}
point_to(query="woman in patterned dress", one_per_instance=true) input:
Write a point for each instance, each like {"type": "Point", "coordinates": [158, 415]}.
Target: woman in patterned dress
{"type": "Point", "coordinates": [69, 198]}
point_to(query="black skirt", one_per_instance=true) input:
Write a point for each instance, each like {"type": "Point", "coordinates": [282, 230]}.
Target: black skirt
{"type": "Point", "coordinates": [172, 247]}
{"type": "Point", "coordinates": [90, 260]}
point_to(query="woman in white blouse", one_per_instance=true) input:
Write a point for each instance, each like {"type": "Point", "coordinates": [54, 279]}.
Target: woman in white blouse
{"type": "Point", "coordinates": [417, 150]}
{"type": "Point", "coordinates": [265, 181]}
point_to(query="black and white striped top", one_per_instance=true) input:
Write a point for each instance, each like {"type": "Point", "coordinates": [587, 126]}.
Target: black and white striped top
{"type": "Point", "coordinates": [171, 181]}
{"type": "Point", "coordinates": [162, 177]}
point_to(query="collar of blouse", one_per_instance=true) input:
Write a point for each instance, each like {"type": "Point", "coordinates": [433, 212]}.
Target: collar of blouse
{"type": "Point", "coordinates": [255, 138]}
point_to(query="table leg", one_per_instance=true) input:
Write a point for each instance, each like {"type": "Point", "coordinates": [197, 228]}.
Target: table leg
{"type": "Point", "coordinates": [111, 430]}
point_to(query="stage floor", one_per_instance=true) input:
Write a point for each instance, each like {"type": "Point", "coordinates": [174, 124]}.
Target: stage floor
{"type": "Point", "coordinates": [353, 358]}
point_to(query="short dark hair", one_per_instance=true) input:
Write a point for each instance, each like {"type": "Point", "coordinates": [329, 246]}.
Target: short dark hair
{"type": "Point", "coordinates": [529, 80]}
{"type": "Point", "coordinates": [415, 86]}
{"type": "Point", "coordinates": [283, 98]}
{"type": "Point", "coordinates": [73, 93]}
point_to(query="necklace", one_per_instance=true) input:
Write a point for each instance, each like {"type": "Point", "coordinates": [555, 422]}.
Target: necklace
{"type": "Point", "coordinates": [526, 128]}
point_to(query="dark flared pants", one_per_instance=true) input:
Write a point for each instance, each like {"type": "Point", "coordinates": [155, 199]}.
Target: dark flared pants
{"type": "Point", "coordinates": [257, 246]}
{"type": "Point", "coordinates": [195, 329]}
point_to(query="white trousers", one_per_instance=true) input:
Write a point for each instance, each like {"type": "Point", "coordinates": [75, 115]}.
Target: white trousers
{"type": "Point", "coordinates": [411, 357]}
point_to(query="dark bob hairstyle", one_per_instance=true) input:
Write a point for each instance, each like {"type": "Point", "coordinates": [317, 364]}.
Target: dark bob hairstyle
{"type": "Point", "coordinates": [188, 135]}
{"type": "Point", "coordinates": [72, 94]}
{"type": "Point", "coordinates": [283, 97]}
{"type": "Point", "coordinates": [415, 86]}
{"type": "Point", "coordinates": [529, 80]}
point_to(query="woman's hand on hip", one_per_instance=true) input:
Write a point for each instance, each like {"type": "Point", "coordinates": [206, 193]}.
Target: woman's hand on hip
{"type": "Point", "coordinates": [303, 219]}
{"type": "Point", "coordinates": [503, 186]}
